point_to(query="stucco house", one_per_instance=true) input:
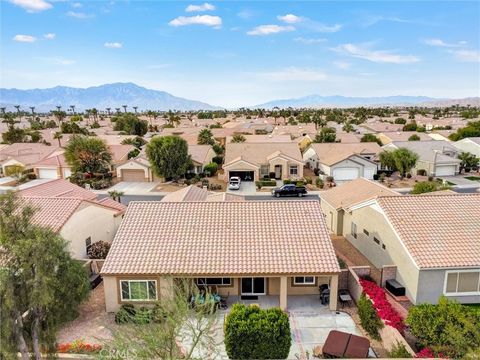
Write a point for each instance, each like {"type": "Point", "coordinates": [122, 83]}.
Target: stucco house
{"type": "Point", "coordinates": [253, 161]}
{"type": "Point", "coordinates": [431, 239]}
{"type": "Point", "coordinates": [225, 244]}
{"type": "Point", "coordinates": [436, 158]}
{"type": "Point", "coordinates": [74, 213]}
{"type": "Point", "coordinates": [388, 136]}
{"type": "Point", "coordinates": [139, 170]}
{"type": "Point", "coordinates": [344, 162]}
{"type": "Point", "coordinates": [25, 155]}
{"type": "Point", "coordinates": [470, 145]}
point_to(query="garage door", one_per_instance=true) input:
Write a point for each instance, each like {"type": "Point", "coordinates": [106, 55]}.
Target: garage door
{"type": "Point", "coordinates": [47, 173]}
{"type": "Point", "coordinates": [243, 175]}
{"type": "Point", "coordinates": [368, 173]}
{"type": "Point", "coordinates": [345, 174]}
{"type": "Point", "coordinates": [133, 175]}
{"type": "Point", "coordinates": [445, 170]}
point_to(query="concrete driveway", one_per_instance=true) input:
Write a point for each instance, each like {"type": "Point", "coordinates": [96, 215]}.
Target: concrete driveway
{"type": "Point", "coordinates": [133, 188]}
{"type": "Point", "coordinates": [246, 188]}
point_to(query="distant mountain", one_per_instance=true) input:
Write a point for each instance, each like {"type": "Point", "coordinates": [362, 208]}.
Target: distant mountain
{"type": "Point", "coordinates": [472, 101]}
{"type": "Point", "coordinates": [99, 97]}
{"type": "Point", "coordinates": [314, 101]}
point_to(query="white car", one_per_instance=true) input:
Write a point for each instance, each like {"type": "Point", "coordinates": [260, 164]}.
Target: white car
{"type": "Point", "coordinates": [234, 183]}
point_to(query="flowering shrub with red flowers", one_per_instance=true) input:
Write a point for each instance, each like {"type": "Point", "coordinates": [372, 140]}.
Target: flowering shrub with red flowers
{"type": "Point", "coordinates": [78, 347]}
{"type": "Point", "coordinates": [382, 306]}
{"type": "Point", "coordinates": [427, 353]}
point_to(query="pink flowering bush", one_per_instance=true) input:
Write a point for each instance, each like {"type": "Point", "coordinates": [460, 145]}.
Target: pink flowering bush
{"type": "Point", "coordinates": [382, 306]}
{"type": "Point", "coordinates": [427, 353]}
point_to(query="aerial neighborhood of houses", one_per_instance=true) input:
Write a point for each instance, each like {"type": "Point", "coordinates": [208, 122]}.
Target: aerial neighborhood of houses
{"type": "Point", "coordinates": [348, 222]}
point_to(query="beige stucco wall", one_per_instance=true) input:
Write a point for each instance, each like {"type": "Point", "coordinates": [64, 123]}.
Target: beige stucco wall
{"type": "Point", "coordinates": [89, 220]}
{"type": "Point", "coordinates": [376, 224]}
{"type": "Point", "coordinates": [111, 293]}
{"type": "Point", "coordinates": [285, 164]}
{"type": "Point", "coordinates": [333, 218]}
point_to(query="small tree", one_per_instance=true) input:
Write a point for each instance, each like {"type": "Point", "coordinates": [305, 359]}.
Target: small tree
{"type": "Point", "coordinates": [15, 171]}
{"type": "Point", "coordinates": [369, 318]}
{"type": "Point", "coordinates": [326, 135]}
{"type": "Point", "coordinates": [205, 137]}
{"type": "Point", "coordinates": [424, 187]}
{"type": "Point", "coordinates": [414, 137]}
{"type": "Point", "coordinates": [130, 123]}
{"type": "Point", "coordinates": [99, 250]}
{"type": "Point", "coordinates": [211, 168]}
{"type": "Point", "coordinates": [239, 138]}
{"type": "Point", "coordinates": [88, 155]}
{"type": "Point", "coordinates": [169, 156]}
{"type": "Point", "coordinates": [254, 333]}
{"type": "Point", "coordinates": [468, 161]}
{"type": "Point", "coordinates": [370, 138]}
{"type": "Point", "coordinates": [116, 195]}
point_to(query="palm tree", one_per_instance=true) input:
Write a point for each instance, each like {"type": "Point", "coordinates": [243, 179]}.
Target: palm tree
{"type": "Point", "coordinates": [135, 109]}
{"type": "Point", "coordinates": [33, 112]}
{"type": "Point", "coordinates": [58, 107]}
{"type": "Point", "coordinates": [3, 110]}
{"type": "Point", "coordinates": [117, 110]}
{"type": "Point", "coordinates": [94, 113]}
{"type": "Point", "coordinates": [108, 110]}
{"type": "Point", "coordinates": [125, 108]}
{"type": "Point", "coordinates": [73, 109]}
{"type": "Point", "coordinates": [116, 195]}
{"type": "Point", "coordinates": [18, 111]}
{"type": "Point", "coordinates": [58, 135]}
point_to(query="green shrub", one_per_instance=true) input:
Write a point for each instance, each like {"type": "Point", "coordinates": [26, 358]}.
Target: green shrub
{"type": "Point", "coordinates": [319, 183]}
{"type": "Point", "coordinates": [143, 316]}
{"type": "Point", "coordinates": [211, 168]}
{"type": "Point", "coordinates": [308, 180]}
{"type": "Point", "coordinates": [424, 187]}
{"type": "Point", "coordinates": [399, 352]}
{"type": "Point", "coordinates": [287, 181]}
{"type": "Point", "coordinates": [258, 184]}
{"type": "Point", "coordinates": [254, 333]}
{"type": "Point", "coordinates": [400, 121]}
{"type": "Point", "coordinates": [126, 314]}
{"type": "Point", "coordinates": [369, 318]}
{"type": "Point", "coordinates": [299, 183]}
{"type": "Point", "coordinates": [262, 183]}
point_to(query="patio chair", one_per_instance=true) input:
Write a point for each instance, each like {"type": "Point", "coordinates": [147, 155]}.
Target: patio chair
{"type": "Point", "coordinates": [223, 302]}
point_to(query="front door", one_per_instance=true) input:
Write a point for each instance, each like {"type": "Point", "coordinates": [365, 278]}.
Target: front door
{"type": "Point", "coordinates": [278, 172]}
{"type": "Point", "coordinates": [253, 286]}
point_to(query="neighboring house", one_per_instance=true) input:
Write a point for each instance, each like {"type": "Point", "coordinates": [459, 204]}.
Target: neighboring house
{"type": "Point", "coordinates": [74, 213]}
{"type": "Point", "coordinates": [344, 162]}
{"type": "Point", "coordinates": [432, 240]}
{"type": "Point", "coordinates": [388, 137]}
{"type": "Point", "coordinates": [441, 134]}
{"type": "Point", "coordinates": [336, 201]}
{"type": "Point", "coordinates": [470, 145]}
{"type": "Point", "coordinates": [252, 161]}
{"type": "Point", "coordinates": [228, 246]}
{"type": "Point", "coordinates": [379, 127]}
{"type": "Point", "coordinates": [24, 154]}
{"type": "Point", "coordinates": [436, 158]}
{"type": "Point", "coordinates": [194, 193]}
{"type": "Point", "coordinates": [139, 169]}
{"type": "Point", "coordinates": [263, 138]}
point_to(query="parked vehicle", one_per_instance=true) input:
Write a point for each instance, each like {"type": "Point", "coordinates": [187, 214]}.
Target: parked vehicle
{"type": "Point", "coordinates": [234, 183]}
{"type": "Point", "coordinates": [289, 190]}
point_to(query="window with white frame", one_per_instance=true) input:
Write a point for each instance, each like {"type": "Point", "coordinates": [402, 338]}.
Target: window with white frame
{"type": "Point", "coordinates": [304, 280]}
{"type": "Point", "coordinates": [214, 281]}
{"type": "Point", "coordinates": [138, 290]}
{"type": "Point", "coordinates": [462, 282]}
{"type": "Point", "coordinates": [264, 170]}
{"type": "Point", "coordinates": [293, 170]}
{"type": "Point", "coordinates": [353, 230]}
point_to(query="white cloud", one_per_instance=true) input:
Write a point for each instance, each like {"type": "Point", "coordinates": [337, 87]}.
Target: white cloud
{"type": "Point", "coordinates": [203, 7]}
{"type": "Point", "coordinates": [290, 18]}
{"type": "Point", "coordinates": [207, 20]}
{"type": "Point", "coordinates": [270, 29]}
{"type": "Point", "coordinates": [466, 55]}
{"type": "Point", "coordinates": [113, 45]}
{"type": "Point", "coordinates": [24, 38]}
{"type": "Point", "coordinates": [79, 15]}
{"type": "Point", "coordinates": [32, 5]}
{"type": "Point", "coordinates": [441, 43]}
{"type": "Point", "coordinates": [343, 65]}
{"type": "Point", "coordinates": [77, 5]}
{"type": "Point", "coordinates": [309, 41]}
{"type": "Point", "coordinates": [245, 14]}
{"type": "Point", "coordinates": [377, 56]}
{"type": "Point", "coordinates": [49, 36]}
{"type": "Point", "coordinates": [57, 60]}
{"type": "Point", "coordinates": [293, 74]}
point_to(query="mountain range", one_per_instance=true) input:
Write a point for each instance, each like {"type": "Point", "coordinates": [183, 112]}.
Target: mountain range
{"type": "Point", "coordinates": [99, 97]}
{"type": "Point", "coordinates": [118, 94]}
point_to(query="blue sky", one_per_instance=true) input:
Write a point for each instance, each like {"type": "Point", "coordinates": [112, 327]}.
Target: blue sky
{"type": "Point", "coordinates": [236, 53]}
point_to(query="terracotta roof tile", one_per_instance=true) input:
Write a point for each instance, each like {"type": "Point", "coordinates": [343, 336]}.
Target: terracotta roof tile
{"type": "Point", "coordinates": [258, 153]}
{"type": "Point", "coordinates": [58, 188]}
{"type": "Point", "coordinates": [438, 231]}
{"type": "Point", "coordinates": [332, 153]}
{"type": "Point", "coordinates": [215, 238]}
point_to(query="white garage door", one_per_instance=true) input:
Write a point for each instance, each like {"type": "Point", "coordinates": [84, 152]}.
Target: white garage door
{"type": "Point", "coordinates": [345, 174]}
{"type": "Point", "coordinates": [368, 173]}
{"type": "Point", "coordinates": [445, 170]}
{"type": "Point", "coordinates": [47, 173]}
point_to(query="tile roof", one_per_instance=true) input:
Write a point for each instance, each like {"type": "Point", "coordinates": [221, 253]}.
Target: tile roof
{"type": "Point", "coordinates": [109, 202]}
{"type": "Point", "coordinates": [194, 193]}
{"type": "Point", "coordinates": [404, 135]}
{"type": "Point", "coordinates": [59, 188]}
{"type": "Point", "coordinates": [26, 153]}
{"type": "Point", "coordinates": [258, 153]}
{"type": "Point", "coordinates": [438, 231]}
{"type": "Point", "coordinates": [264, 138]}
{"type": "Point", "coordinates": [120, 152]}
{"type": "Point", "coordinates": [199, 153]}
{"type": "Point", "coordinates": [332, 153]}
{"type": "Point", "coordinates": [220, 238]}
{"type": "Point", "coordinates": [429, 151]}
{"type": "Point", "coordinates": [54, 160]}
{"type": "Point", "coordinates": [353, 192]}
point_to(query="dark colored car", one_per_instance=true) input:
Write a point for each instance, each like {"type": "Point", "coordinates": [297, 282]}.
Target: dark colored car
{"type": "Point", "coordinates": [289, 190]}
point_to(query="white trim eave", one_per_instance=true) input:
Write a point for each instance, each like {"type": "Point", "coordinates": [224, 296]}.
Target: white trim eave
{"type": "Point", "coordinates": [453, 268]}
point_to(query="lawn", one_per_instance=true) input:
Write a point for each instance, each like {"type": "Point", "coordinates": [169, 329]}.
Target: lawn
{"type": "Point", "coordinates": [473, 178]}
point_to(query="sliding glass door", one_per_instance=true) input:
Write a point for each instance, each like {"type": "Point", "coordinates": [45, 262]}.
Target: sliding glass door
{"type": "Point", "coordinates": [253, 286]}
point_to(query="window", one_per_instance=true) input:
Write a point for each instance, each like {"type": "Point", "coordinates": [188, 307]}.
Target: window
{"type": "Point", "coordinates": [264, 170]}
{"type": "Point", "coordinates": [384, 247]}
{"type": "Point", "coordinates": [353, 230]}
{"type": "Point", "coordinates": [139, 290]}
{"type": "Point", "coordinates": [304, 280]}
{"type": "Point", "coordinates": [293, 169]}
{"type": "Point", "coordinates": [214, 281]}
{"type": "Point", "coordinates": [376, 240]}
{"type": "Point", "coordinates": [462, 283]}
{"type": "Point", "coordinates": [88, 244]}
{"type": "Point", "coordinates": [366, 232]}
